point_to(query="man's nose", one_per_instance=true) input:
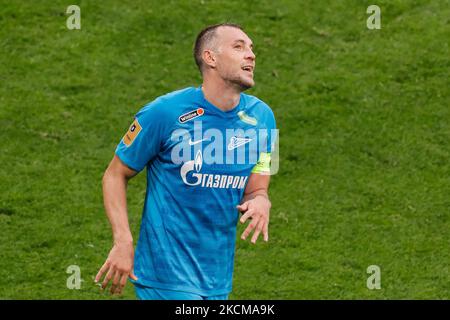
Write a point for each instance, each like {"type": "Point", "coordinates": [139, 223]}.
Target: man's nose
{"type": "Point", "coordinates": [250, 55]}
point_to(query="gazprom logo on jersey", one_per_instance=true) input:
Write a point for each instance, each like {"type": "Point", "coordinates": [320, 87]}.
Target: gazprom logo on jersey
{"type": "Point", "coordinates": [191, 175]}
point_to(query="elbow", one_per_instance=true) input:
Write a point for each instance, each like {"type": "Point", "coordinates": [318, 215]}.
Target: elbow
{"type": "Point", "coordinates": [114, 176]}
{"type": "Point", "coordinates": [106, 177]}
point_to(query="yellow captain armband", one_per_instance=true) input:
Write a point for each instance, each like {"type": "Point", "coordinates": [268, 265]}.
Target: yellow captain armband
{"type": "Point", "coordinates": [263, 164]}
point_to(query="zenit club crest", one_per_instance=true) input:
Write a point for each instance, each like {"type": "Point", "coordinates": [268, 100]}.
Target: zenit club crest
{"type": "Point", "coordinates": [191, 115]}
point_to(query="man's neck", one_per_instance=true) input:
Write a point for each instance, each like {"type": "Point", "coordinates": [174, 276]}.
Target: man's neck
{"type": "Point", "coordinates": [221, 94]}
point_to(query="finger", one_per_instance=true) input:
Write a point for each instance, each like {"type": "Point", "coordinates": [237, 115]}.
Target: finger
{"type": "Point", "coordinates": [122, 283]}
{"type": "Point", "coordinates": [133, 276]}
{"type": "Point", "coordinates": [115, 282]}
{"type": "Point", "coordinates": [258, 230]}
{"type": "Point", "coordinates": [102, 271]}
{"type": "Point", "coordinates": [108, 277]}
{"type": "Point", "coordinates": [243, 207]}
{"type": "Point", "coordinates": [246, 215]}
{"type": "Point", "coordinates": [123, 280]}
{"type": "Point", "coordinates": [118, 290]}
{"type": "Point", "coordinates": [266, 231]}
{"type": "Point", "coordinates": [249, 228]}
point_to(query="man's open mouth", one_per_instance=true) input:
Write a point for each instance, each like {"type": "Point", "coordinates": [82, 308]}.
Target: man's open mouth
{"type": "Point", "coordinates": [248, 68]}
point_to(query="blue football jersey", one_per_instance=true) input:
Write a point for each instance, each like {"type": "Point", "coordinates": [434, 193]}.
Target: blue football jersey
{"type": "Point", "coordinates": [198, 161]}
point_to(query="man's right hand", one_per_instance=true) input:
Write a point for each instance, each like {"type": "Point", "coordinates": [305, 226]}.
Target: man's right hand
{"type": "Point", "coordinates": [118, 267]}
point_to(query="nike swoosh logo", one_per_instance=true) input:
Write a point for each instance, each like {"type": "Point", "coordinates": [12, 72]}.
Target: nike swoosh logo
{"type": "Point", "coordinates": [237, 142]}
{"type": "Point", "coordinates": [191, 143]}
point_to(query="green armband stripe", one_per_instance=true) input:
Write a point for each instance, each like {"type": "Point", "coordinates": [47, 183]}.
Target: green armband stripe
{"type": "Point", "coordinates": [263, 164]}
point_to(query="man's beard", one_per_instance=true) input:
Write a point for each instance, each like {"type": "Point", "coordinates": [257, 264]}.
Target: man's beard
{"type": "Point", "coordinates": [239, 83]}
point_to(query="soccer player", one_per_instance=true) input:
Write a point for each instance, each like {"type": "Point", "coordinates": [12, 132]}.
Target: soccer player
{"type": "Point", "coordinates": [207, 153]}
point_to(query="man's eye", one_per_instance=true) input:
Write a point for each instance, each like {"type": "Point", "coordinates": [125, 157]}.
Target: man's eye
{"type": "Point", "coordinates": [238, 47]}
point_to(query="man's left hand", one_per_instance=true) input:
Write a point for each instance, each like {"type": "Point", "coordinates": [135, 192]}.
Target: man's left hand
{"type": "Point", "coordinates": [258, 209]}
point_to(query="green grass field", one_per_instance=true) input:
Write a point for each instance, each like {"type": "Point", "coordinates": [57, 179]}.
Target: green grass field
{"type": "Point", "coordinates": [364, 151]}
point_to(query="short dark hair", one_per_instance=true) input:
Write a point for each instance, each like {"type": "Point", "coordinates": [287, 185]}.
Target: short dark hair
{"type": "Point", "coordinates": [205, 36]}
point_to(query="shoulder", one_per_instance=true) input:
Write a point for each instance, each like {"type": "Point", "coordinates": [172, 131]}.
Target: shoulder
{"type": "Point", "coordinates": [177, 96]}
{"type": "Point", "coordinates": [258, 108]}
{"type": "Point", "coordinates": [167, 107]}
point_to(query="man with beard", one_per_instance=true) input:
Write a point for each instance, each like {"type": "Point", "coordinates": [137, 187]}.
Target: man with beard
{"type": "Point", "coordinates": [196, 185]}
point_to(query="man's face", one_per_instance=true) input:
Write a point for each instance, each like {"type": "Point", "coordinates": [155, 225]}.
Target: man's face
{"type": "Point", "coordinates": [235, 57]}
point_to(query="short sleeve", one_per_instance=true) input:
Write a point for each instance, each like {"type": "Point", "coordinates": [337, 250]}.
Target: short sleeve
{"type": "Point", "coordinates": [143, 140]}
{"type": "Point", "coordinates": [272, 132]}
{"type": "Point", "coordinates": [270, 135]}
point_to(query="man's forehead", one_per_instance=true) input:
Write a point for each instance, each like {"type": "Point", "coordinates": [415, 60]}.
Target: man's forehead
{"type": "Point", "coordinates": [231, 34]}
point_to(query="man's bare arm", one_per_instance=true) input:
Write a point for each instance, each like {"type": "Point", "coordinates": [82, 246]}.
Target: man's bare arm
{"type": "Point", "coordinates": [256, 206]}
{"type": "Point", "coordinates": [258, 185]}
{"type": "Point", "coordinates": [119, 264]}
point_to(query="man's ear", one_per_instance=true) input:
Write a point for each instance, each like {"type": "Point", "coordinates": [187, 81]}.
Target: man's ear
{"type": "Point", "coordinates": [209, 58]}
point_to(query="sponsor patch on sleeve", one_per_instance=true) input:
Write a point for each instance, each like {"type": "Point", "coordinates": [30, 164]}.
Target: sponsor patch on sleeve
{"type": "Point", "coordinates": [263, 164]}
{"type": "Point", "coordinates": [132, 133]}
